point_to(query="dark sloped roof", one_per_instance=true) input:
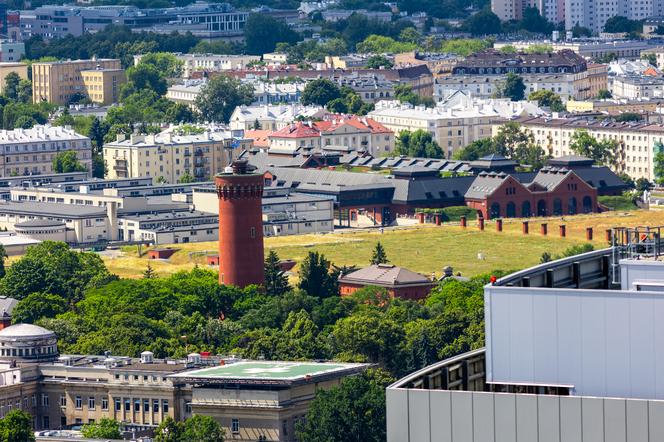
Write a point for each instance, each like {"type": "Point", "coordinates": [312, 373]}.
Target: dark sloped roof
{"type": "Point", "coordinates": [549, 178]}
{"type": "Point", "coordinates": [484, 185]}
{"type": "Point", "coordinates": [385, 275]}
{"type": "Point", "coordinates": [440, 190]}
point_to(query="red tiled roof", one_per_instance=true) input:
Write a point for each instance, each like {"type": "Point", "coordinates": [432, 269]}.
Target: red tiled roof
{"type": "Point", "coordinates": [260, 137]}
{"type": "Point", "coordinates": [297, 130]}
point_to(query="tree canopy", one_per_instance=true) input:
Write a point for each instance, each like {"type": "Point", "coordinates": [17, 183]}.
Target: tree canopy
{"type": "Point", "coordinates": [320, 92]}
{"type": "Point", "coordinates": [419, 143]}
{"type": "Point", "coordinates": [602, 151]}
{"type": "Point", "coordinates": [104, 429]}
{"type": "Point", "coordinates": [66, 161]}
{"type": "Point", "coordinates": [220, 96]}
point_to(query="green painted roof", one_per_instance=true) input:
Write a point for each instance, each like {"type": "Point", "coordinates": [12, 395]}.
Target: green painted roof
{"type": "Point", "coordinates": [268, 370]}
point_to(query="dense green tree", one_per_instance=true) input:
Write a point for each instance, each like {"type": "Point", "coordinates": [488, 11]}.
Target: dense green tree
{"type": "Point", "coordinates": [276, 281]}
{"type": "Point", "coordinates": [419, 143]}
{"type": "Point", "coordinates": [378, 62]}
{"type": "Point", "coordinates": [379, 256]}
{"type": "Point", "coordinates": [180, 113]}
{"type": "Point", "coordinates": [513, 87]}
{"type": "Point", "coordinates": [97, 132]}
{"type": "Point", "coordinates": [166, 63]}
{"type": "Point", "coordinates": [580, 31]}
{"type": "Point", "coordinates": [320, 91]}
{"type": "Point", "coordinates": [52, 267]}
{"type": "Point", "coordinates": [186, 177]}
{"type": "Point", "coordinates": [16, 426]}
{"type": "Point", "coordinates": [548, 99]}
{"type": "Point", "coordinates": [38, 305]}
{"type": "Point", "coordinates": [658, 168]}
{"type": "Point", "coordinates": [642, 184]}
{"type": "Point", "coordinates": [532, 21]}
{"type": "Point", "coordinates": [202, 429]}
{"type": "Point", "coordinates": [354, 411]}
{"type": "Point", "coordinates": [220, 96]}
{"type": "Point", "coordinates": [262, 33]}
{"type": "Point", "coordinates": [104, 429]}
{"type": "Point", "coordinates": [618, 24]}
{"type": "Point", "coordinates": [381, 44]}
{"type": "Point", "coordinates": [484, 22]}
{"type": "Point", "coordinates": [25, 91]}
{"type": "Point", "coordinates": [603, 94]}
{"type": "Point", "coordinates": [12, 81]}
{"type": "Point", "coordinates": [476, 150]}
{"type": "Point", "coordinates": [66, 161]}
{"type": "Point", "coordinates": [144, 76]}
{"type": "Point", "coordinates": [169, 430]}
{"type": "Point", "coordinates": [315, 278]}
{"type": "Point", "coordinates": [602, 151]}
{"type": "Point", "coordinates": [650, 58]}
{"type": "Point", "coordinates": [16, 114]}
{"type": "Point", "coordinates": [629, 116]}
{"type": "Point", "coordinates": [3, 256]}
{"type": "Point", "coordinates": [149, 272]}
{"type": "Point", "coordinates": [64, 119]}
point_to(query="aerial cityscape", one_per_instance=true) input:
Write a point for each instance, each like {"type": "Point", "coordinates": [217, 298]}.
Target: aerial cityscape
{"type": "Point", "coordinates": [332, 221]}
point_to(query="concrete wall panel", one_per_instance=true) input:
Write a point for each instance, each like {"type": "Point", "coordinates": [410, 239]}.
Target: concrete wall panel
{"type": "Point", "coordinates": [483, 417]}
{"type": "Point", "coordinates": [656, 421]}
{"type": "Point", "coordinates": [592, 419]}
{"type": "Point", "coordinates": [615, 423]}
{"type": "Point", "coordinates": [441, 416]}
{"type": "Point", "coordinates": [548, 418]}
{"type": "Point", "coordinates": [397, 415]}
{"type": "Point", "coordinates": [462, 416]}
{"type": "Point", "coordinates": [636, 413]}
{"type": "Point", "coordinates": [505, 412]}
{"type": "Point", "coordinates": [570, 419]}
{"type": "Point", "coordinates": [526, 417]}
{"type": "Point", "coordinates": [418, 415]}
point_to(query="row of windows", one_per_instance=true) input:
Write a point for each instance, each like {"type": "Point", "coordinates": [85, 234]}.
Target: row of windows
{"type": "Point", "coordinates": [127, 402]}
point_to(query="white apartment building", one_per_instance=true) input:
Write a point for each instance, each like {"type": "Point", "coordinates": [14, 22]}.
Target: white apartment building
{"type": "Point", "coordinates": [170, 154]}
{"type": "Point", "coordinates": [593, 14]}
{"type": "Point", "coordinates": [185, 92]}
{"type": "Point", "coordinates": [273, 116]}
{"type": "Point", "coordinates": [31, 151]}
{"type": "Point", "coordinates": [567, 86]}
{"type": "Point", "coordinates": [455, 122]}
{"type": "Point", "coordinates": [634, 87]}
{"type": "Point", "coordinates": [209, 62]}
{"type": "Point", "coordinates": [265, 92]}
{"type": "Point", "coordinates": [636, 141]}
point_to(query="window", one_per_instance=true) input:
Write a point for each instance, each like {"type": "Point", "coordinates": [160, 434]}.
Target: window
{"type": "Point", "coordinates": [46, 423]}
{"type": "Point", "coordinates": [118, 404]}
{"type": "Point", "coordinates": [104, 403]}
{"type": "Point", "coordinates": [78, 403]}
{"type": "Point", "coordinates": [146, 406]}
{"type": "Point", "coordinates": [63, 400]}
{"type": "Point", "coordinates": [164, 405]}
{"type": "Point", "coordinates": [44, 400]}
{"type": "Point", "coordinates": [91, 403]}
{"type": "Point", "coordinates": [235, 426]}
{"type": "Point", "coordinates": [155, 406]}
{"type": "Point", "coordinates": [127, 404]}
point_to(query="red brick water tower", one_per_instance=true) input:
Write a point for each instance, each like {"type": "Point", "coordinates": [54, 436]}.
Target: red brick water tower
{"type": "Point", "coordinates": [240, 192]}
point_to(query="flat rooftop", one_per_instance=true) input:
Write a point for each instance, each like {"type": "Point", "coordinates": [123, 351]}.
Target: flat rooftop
{"type": "Point", "coordinates": [272, 371]}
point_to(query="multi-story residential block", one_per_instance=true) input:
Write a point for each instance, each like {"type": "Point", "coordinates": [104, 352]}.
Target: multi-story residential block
{"type": "Point", "coordinates": [578, 86]}
{"type": "Point", "coordinates": [6, 68]}
{"type": "Point", "coordinates": [172, 154]}
{"type": "Point", "coordinates": [593, 14]}
{"type": "Point", "coordinates": [636, 141]}
{"type": "Point", "coordinates": [103, 85]}
{"type": "Point", "coordinates": [355, 133]}
{"type": "Point", "coordinates": [58, 81]}
{"type": "Point", "coordinates": [273, 116]}
{"type": "Point", "coordinates": [206, 20]}
{"type": "Point", "coordinates": [635, 87]}
{"type": "Point", "coordinates": [11, 51]}
{"type": "Point", "coordinates": [209, 62]}
{"type": "Point", "coordinates": [492, 61]}
{"type": "Point", "coordinates": [588, 48]}
{"type": "Point", "coordinates": [455, 122]}
{"type": "Point", "coordinates": [438, 63]}
{"type": "Point", "coordinates": [371, 88]}
{"type": "Point", "coordinates": [614, 106]}
{"type": "Point", "coordinates": [31, 151]}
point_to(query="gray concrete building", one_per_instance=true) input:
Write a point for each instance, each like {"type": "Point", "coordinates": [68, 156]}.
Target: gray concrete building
{"type": "Point", "coordinates": [571, 355]}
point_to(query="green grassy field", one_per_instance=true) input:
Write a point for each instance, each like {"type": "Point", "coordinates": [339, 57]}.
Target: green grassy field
{"type": "Point", "coordinates": [426, 249]}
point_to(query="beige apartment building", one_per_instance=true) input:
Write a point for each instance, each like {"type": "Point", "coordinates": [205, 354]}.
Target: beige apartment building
{"type": "Point", "coordinates": [636, 141]}
{"type": "Point", "coordinates": [57, 81]}
{"type": "Point", "coordinates": [103, 85]}
{"type": "Point", "coordinates": [169, 155]}
{"type": "Point", "coordinates": [7, 68]}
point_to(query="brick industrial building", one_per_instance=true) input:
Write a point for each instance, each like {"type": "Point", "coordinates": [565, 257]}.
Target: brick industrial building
{"type": "Point", "coordinates": [397, 281]}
